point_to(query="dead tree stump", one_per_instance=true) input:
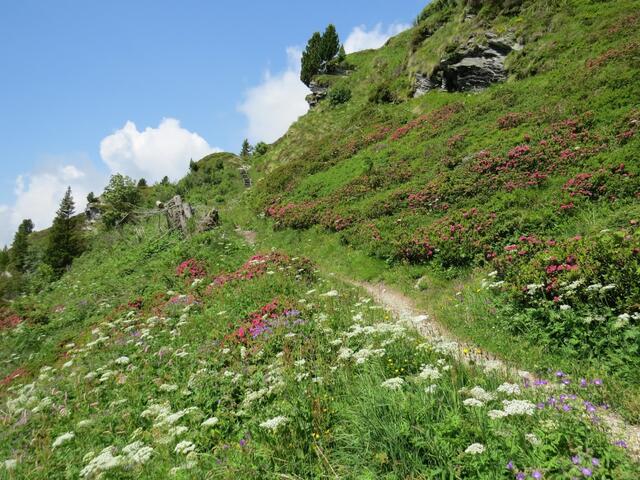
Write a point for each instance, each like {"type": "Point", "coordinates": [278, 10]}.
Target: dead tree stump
{"type": "Point", "coordinates": [178, 213]}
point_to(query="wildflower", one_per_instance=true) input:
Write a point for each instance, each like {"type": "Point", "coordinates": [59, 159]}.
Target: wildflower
{"type": "Point", "coordinates": [210, 422]}
{"type": "Point", "coordinates": [122, 360]}
{"type": "Point", "coordinates": [273, 423]}
{"type": "Point", "coordinates": [185, 447]}
{"type": "Point", "coordinates": [473, 402]}
{"type": "Point", "coordinates": [509, 389]}
{"type": "Point", "coordinates": [10, 464]}
{"type": "Point", "coordinates": [331, 293]}
{"type": "Point", "coordinates": [495, 414]}
{"type": "Point", "coordinates": [509, 465]}
{"type": "Point", "coordinates": [518, 407]}
{"type": "Point", "coordinates": [474, 449]}
{"type": "Point", "coordinates": [62, 439]}
{"type": "Point", "coordinates": [536, 474]}
{"type": "Point", "coordinates": [586, 471]}
{"type": "Point", "coordinates": [430, 389]}
{"type": "Point", "coordinates": [532, 439]}
{"type": "Point", "coordinates": [393, 383]}
{"type": "Point", "coordinates": [481, 394]}
{"type": "Point", "coordinates": [620, 443]}
{"type": "Point", "coordinates": [521, 476]}
{"type": "Point", "coordinates": [101, 463]}
{"type": "Point", "coordinates": [429, 372]}
{"type": "Point", "coordinates": [165, 387]}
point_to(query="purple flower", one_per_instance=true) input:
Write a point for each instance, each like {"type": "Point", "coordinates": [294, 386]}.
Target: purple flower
{"type": "Point", "coordinates": [540, 405]}
{"type": "Point", "coordinates": [520, 476]}
{"type": "Point", "coordinates": [242, 442]}
{"type": "Point", "coordinates": [583, 382]}
{"type": "Point", "coordinates": [586, 472]}
{"type": "Point", "coordinates": [575, 459]}
{"type": "Point", "coordinates": [566, 381]}
{"type": "Point", "coordinates": [620, 443]}
{"type": "Point", "coordinates": [566, 408]}
{"type": "Point", "coordinates": [510, 465]}
{"type": "Point", "coordinates": [597, 381]}
{"type": "Point", "coordinates": [559, 374]}
{"type": "Point", "coordinates": [595, 462]}
{"type": "Point", "coordinates": [536, 474]}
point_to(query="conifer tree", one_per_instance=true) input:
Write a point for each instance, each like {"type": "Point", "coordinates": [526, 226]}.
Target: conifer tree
{"type": "Point", "coordinates": [311, 59]}
{"type": "Point", "coordinates": [20, 246]}
{"type": "Point", "coordinates": [64, 241]}
{"type": "Point", "coordinates": [329, 46]}
{"type": "Point", "coordinates": [320, 50]}
{"type": "Point", "coordinates": [142, 182]}
{"type": "Point", "coordinates": [246, 149]}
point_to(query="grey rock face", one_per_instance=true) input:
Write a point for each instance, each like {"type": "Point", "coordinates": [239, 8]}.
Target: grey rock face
{"type": "Point", "coordinates": [93, 212]}
{"type": "Point", "coordinates": [472, 67]}
{"type": "Point", "coordinates": [318, 93]}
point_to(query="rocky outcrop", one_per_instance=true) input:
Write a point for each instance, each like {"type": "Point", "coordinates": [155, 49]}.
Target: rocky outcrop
{"type": "Point", "coordinates": [472, 67]}
{"type": "Point", "coordinates": [318, 93]}
{"type": "Point", "coordinates": [93, 212]}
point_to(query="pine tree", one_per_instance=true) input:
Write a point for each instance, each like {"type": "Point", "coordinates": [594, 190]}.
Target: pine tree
{"type": "Point", "coordinates": [142, 182]}
{"type": "Point", "coordinates": [165, 181]}
{"type": "Point", "coordinates": [246, 149]}
{"type": "Point", "coordinates": [20, 246]}
{"type": "Point", "coordinates": [64, 241]}
{"type": "Point", "coordinates": [311, 60]}
{"type": "Point", "coordinates": [193, 166]}
{"type": "Point", "coordinates": [329, 46]}
{"type": "Point", "coordinates": [320, 50]}
{"type": "Point", "coordinates": [91, 198]}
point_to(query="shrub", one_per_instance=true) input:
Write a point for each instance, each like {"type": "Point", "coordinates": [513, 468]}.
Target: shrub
{"type": "Point", "coordinates": [339, 95]}
{"type": "Point", "coordinates": [382, 94]}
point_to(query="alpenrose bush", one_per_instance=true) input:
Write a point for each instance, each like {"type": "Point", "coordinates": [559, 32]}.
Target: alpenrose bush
{"type": "Point", "coordinates": [579, 293]}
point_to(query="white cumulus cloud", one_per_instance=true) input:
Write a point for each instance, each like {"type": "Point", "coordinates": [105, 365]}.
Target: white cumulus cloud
{"type": "Point", "coordinates": [38, 194]}
{"type": "Point", "coordinates": [273, 105]}
{"type": "Point", "coordinates": [362, 39]}
{"type": "Point", "coordinates": [153, 152]}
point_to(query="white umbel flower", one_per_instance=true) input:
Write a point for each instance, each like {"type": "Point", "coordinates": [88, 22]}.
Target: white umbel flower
{"type": "Point", "coordinates": [210, 422]}
{"type": "Point", "coordinates": [473, 402]}
{"type": "Point", "coordinates": [395, 383]}
{"type": "Point", "coordinates": [62, 439]}
{"type": "Point", "coordinates": [509, 389]}
{"type": "Point", "coordinates": [185, 447]}
{"type": "Point", "coordinates": [273, 423]}
{"type": "Point", "coordinates": [475, 449]}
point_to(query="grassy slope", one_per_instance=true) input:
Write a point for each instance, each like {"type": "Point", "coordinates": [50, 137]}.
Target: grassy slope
{"type": "Point", "coordinates": [136, 355]}
{"type": "Point", "coordinates": [348, 425]}
{"type": "Point", "coordinates": [354, 168]}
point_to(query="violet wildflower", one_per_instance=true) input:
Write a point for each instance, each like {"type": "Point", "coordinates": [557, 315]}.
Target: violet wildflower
{"type": "Point", "coordinates": [566, 408]}
{"type": "Point", "coordinates": [510, 465]}
{"type": "Point", "coordinates": [595, 462]}
{"type": "Point", "coordinates": [586, 472]}
{"type": "Point", "coordinates": [521, 476]}
{"type": "Point", "coordinates": [536, 474]}
{"type": "Point", "coordinates": [620, 443]}
{"type": "Point", "coordinates": [575, 459]}
{"type": "Point", "coordinates": [597, 381]}
{"type": "Point", "coordinates": [583, 382]}
{"type": "Point", "coordinates": [560, 374]}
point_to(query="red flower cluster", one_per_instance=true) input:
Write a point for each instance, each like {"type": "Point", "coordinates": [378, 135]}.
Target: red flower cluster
{"type": "Point", "coordinates": [255, 267]}
{"type": "Point", "coordinates": [257, 323]}
{"type": "Point", "coordinates": [10, 322]}
{"type": "Point", "coordinates": [192, 269]}
{"type": "Point", "coordinates": [556, 266]}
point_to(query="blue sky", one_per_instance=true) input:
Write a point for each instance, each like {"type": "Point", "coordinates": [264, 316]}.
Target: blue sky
{"type": "Point", "coordinates": [74, 73]}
